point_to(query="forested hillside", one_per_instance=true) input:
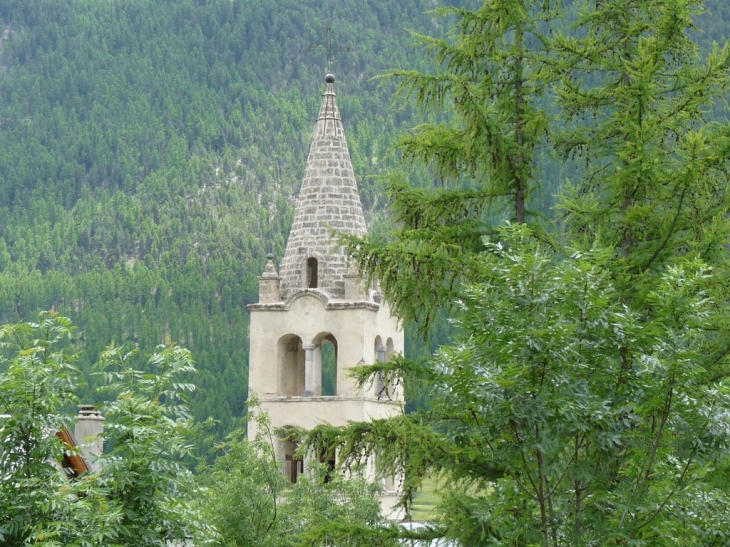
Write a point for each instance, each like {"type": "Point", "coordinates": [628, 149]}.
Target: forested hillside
{"type": "Point", "coordinates": [150, 151]}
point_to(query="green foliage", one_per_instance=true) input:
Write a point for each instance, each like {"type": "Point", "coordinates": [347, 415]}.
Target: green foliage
{"type": "Point", "coordinates": [251, 502]}
{"type": "Point", "coordinates": [605, 425]}
{"type": "Point", "coordinates": [583, 399]}
{"type": "Point", "coordinates": [148, 433]}
{"type": "Point", "coordinates": [137, 498]}
{"type": "Point", "coordinates": [491, 75]}
{"type": "Point", "coordinates": [149, 154]}
{"type": "Point", "coordinates": [559, 415]}
{"type": "Point", "coordinates": [637, 101]}
{"type": "Point", "coordinates": [36, 381]}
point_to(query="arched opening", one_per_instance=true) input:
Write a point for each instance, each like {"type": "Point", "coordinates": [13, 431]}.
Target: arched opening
{"type": "Point", "coordinates": [291, 366]}
{"type": "Point", "coordinates": [293, 465]}
{"type": "Point", "coordinates": [329, 366]}
{"type": "Point", "coordinates": [312, 273]}
{"type": "Point", "coordinates": [325, 365]}
{"type": "Point", "coordinates": [389, 351]}
{"type": "Point", "coordinates": [329, 461]}
{"type": "Point", "coordinates": [387, 481]}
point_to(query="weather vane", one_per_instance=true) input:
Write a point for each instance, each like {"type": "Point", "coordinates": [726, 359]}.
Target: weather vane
{"type": "Point", "coordinates": [329, 49]}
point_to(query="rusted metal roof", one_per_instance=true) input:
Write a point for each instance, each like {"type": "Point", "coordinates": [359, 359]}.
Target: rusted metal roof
{"type": "Point", "coordinates": [73, 463]}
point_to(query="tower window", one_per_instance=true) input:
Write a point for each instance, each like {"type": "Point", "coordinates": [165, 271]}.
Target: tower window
{"type": "Point", "coordinates": [293, 466]}
{"type": "Point", "coordinates": [312, 282]}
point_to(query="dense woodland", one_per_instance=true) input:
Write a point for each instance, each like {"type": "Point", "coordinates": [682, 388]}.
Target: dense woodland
{"type": "Point", "coordinates": [150, 152]}
{"type": "Point", "coordinates": [564, 204]}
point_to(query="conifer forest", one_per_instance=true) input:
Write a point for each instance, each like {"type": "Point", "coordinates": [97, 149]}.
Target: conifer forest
{"type": "Point", "coordinates": [545, 186]}
{"type": "Point", "coordinates": [151, 152]}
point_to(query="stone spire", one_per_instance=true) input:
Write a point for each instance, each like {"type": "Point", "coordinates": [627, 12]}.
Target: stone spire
{"type": "Point", "coordinates": [328, 200]}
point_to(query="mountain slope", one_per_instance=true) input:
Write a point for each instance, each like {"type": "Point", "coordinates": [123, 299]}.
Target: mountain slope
{"type": "Point", "coordinates": [150, 152]}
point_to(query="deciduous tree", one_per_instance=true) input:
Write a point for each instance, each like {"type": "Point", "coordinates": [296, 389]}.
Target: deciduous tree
{"type": "Point", "coordinates": [251, 502]}
{"type": "Point", "coordinates": [136, 499]}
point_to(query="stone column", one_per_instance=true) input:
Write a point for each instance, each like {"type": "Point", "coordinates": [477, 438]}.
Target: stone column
{"type": "Point", "coordinates": [309, 369]}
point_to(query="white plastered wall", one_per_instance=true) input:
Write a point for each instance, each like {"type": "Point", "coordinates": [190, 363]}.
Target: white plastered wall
{"type": "Point", "coordinates": [310, 316]}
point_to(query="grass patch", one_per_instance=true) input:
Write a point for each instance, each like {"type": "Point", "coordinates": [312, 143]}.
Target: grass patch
{"type": "Point", "coordinates": [425, 502]}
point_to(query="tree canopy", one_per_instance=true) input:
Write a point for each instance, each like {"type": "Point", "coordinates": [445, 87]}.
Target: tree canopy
{"type": "Point", "coordinates": [582, 400]}
{"type": "Point", "coordinates": [137, 496]}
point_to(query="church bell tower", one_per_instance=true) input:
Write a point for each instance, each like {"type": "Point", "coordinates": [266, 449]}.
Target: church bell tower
{"type": "Point", "coordinates": [315, 319]}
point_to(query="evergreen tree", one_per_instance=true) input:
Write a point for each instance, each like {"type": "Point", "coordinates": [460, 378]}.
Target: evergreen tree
{"type": "Point", "coordinates": [583, 401]}
{"type": "Point", "coordinates": [638, 102]}
{"type": "Point", "coordinates": [484, 122]}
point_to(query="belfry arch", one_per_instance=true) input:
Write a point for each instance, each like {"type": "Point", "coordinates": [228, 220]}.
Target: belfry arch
{"type": "Point", "coordinates": [383, 354]}
{"type": "Point", "coordinates": [325, 345]}
{"type": "Point", "coordinates": [291, 360]}
{"type": "Point", "coordinates": [389, 352]}
{"type": "Point", "coordinates": [379, 350]}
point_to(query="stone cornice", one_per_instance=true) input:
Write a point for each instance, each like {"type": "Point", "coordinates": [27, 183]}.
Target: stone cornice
{"type": "Point", "coordinates": [327, 302]}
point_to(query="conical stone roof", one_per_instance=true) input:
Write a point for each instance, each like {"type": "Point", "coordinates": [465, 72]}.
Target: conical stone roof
{"type": "Point", "coordinates": [328, 200]}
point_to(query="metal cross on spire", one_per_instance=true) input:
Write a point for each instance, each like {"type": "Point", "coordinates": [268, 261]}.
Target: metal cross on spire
{"type": "Point", "coordinates": [330, 48]}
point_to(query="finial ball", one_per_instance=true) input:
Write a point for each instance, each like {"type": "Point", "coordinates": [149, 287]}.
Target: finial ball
{"type": "Point", "coordinates": [270, 256]}
{"type": "Point", "coordinates": [330, 78]}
